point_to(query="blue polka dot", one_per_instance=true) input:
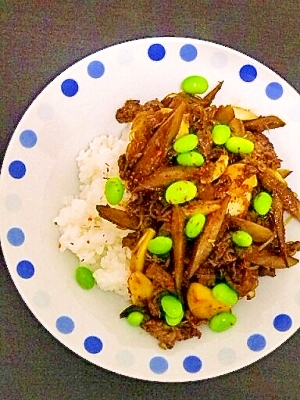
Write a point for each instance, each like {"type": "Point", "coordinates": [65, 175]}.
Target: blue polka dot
{"type": "Point", "coordinates": [282, 322]}
{"type": "Point", "coordinates": [256, 342]}
{"type": "Point", "coordinates": [248, 73]}
{"type": "Point", "coordinates": [17, 169]}
{"type": "Point", "coordinates": [93, 344]}
{"type": "Point", "coordinates": [15, 236]}
{"type": "Point", "coordinates": [159, 365]}
{"type": "Point", "coordinates": [65, 324]}
{"type": "Point", "coordinates": [69, 87]}
{"type": "Point", "coordinates": [188, 52]}
{"type": "Point", "coordinates": [156, 52]}
{"type": "Point", "coordinates": [25, 269]}
{"type": "Point", "coordinates": [28, 138]}
{"type": "Point", "coordinates": [95, 69]}
{"type": "Point", "coordinates": [192, 364]}
{"type": "Point", "coordinates": [274, 90]}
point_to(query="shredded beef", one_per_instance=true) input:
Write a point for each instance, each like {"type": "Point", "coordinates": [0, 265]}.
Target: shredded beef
{"type": "Point", "coordinates": [292, 247]}
{"type": "Point", "coordinates": [131, 239]}
{"type": "Point", "coordinates": [166, 335]}
{"type": "Point", "coordinates": [206, 275]}
{"type": "Point", "coordinates": [153, 304]}
{"type": "Point", "coordinates": [128, 111]}
{"type": "Point", "coordinates": [241, 277]}
{"type": "Point", "coordinates": [262, 271]}
{"type": "Point", "coordinates": [131, 108]}
{"type": "Point", "coordinates": [264, 154]}
{"type": "Point", "coordinates": [160, 277]}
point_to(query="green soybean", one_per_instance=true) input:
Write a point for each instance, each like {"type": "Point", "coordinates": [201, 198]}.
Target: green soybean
{"type": "Point", "coordinates": [221, 322]}
{"type": "Point", "coordinates": [238, 145]}
{"type": "Point", "coordinates": [186, 143]}
{"type": "Point", "coordinates": [242, 238]}
{"type": "Point", "coordinates": [135, 318]}
{"type": "Point", "coordinates": [220, 134]}
{"type": "Point", "coordinates": [190, 159]}
{"type": "Point", "coordinates": [174, 321]}
{"type": "Point", "coordinates": [195, 225]}
{"type": "Point", "coordinates": [180, 192]}
{"type": "Point", "coordinates": [225, 294]}
{"type": "Point", "coordinates": [171, 306]}
{"type": "Point", "coordinates": [160, 245]}
{"type": "Point", "coordinates": [262, 203]}
{"type": "Point", "coordinates": [114, 190]}
{"type": "Point", "coordinates": [194, 84]}
{"type": "Point", "coordinates": [84, 277]}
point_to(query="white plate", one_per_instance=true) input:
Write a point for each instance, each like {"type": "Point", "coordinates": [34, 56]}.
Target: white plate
{"type": "Point", "coordinates": [40, 169]}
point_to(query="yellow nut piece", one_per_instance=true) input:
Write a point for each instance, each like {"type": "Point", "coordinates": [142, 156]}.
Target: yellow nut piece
{"type": "Point", "coordinates": [140, 287]}
{"type": "Point", "coordinates": [243, 114]}
{"type": "Point", "coordinates": [138, 254]}
{"type": "Point", "coordinates": [240, 194]}
{"type": "Point", "coordinates": [184, 126]}
{"type": "Point", "coordinates": [202, 303]}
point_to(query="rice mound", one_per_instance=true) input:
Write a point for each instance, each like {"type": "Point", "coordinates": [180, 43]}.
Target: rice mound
{"type": "Point", "coordinates": [96, 242]}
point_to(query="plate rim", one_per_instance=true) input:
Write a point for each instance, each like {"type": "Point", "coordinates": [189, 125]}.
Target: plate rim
{"type": "Point", "coordinates": [54, 79]}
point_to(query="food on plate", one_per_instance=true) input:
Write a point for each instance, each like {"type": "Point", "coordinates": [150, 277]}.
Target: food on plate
{"type": "Point", "coordinates": [222, 321]}
{"type": "Point", "coordinates": [194, 84]}
{"type": "Point", "coordinates": [84, 277]}
{"type": "Point", "coordinates": [114, 190]}
{"type": "Point", "coordinates": [183, 213]}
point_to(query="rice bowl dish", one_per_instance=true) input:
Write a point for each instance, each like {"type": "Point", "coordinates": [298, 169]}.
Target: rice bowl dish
{"type": "Point", "coordinates": [64, 119]}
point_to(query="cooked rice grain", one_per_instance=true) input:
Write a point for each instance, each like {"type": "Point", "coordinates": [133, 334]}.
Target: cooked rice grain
{"type": "Point", "coordinates": [96, 242]}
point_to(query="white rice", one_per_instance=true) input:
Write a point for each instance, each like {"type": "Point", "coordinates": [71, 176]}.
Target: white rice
{"type": "Point", "coordinates": [96, 242]}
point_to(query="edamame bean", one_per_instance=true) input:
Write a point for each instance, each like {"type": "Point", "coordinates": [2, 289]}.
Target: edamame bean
{"type": "Point", "coordinates": [225, 294]}
{"type": "Point", "coordinates": [195, 225]}
{"type": "Point", "coordinates": [174, 321]}
{"type": "Point", "coordinates": [262, 203]}
{"type": "Point", "coordinates": [238, 145]}
{"type": "Point", "coordinates": [186, 143]}
{"type": "Point", "coordinates": [190, 159]}
{"type": "Point", "coordinates": [84, 277]}
{"type": "Point", "coordinates": [194, 84]}
{"type": "Point", "coordinates": [221, 322]}
{"type": "Point", "coordinates": [171, 306]}
{"type": "Point", "coordinates": [242, 238]}
{"type": "Point", "coordinates": [180, 192]}
{"type": "Point", "coordinates": [220, 134]}
{"type": "Point", "coordinates": [114, 190]}
{"type": "Point", "coordinates": [135, 318]}
{"type": "Point", "coordinates": [160, 245]}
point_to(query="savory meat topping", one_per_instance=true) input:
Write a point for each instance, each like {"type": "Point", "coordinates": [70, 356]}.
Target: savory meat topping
{"type": "Point", "coordinates": [222, 187]}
